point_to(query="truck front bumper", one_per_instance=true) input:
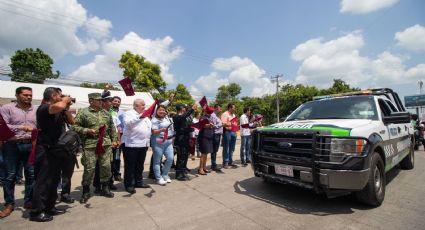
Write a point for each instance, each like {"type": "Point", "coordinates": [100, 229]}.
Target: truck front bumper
{"type": "Point", "coordinates": [328, 178]}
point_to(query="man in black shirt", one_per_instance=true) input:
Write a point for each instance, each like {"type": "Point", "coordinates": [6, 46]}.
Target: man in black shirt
{"type": "Point", "coordinates": [182, 122]}
{"type": "Point", "coordinates": [51, 117]}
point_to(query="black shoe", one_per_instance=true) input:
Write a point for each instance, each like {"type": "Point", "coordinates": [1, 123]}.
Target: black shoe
{"type": "Point", "coordinates": [117, 178]}
{"type": "Point", "coordinates": [97, 190]}
{"type": "Point", "coordinates": [85, 197]}
{"type": "Point", "coordinates": [105, 191]}
{"type": "Point", "coordinates": [217, 170]}
{"type": "Point", "coordinates": [130, 190]}
{"type": "Point", "coordinates": [20, 182]}
{"type": "Point", "coordinates": [40, 217]}
{"type": "Point", "coordinates": [248, 161]}
{"type": "Point", "coordinates": [233, 166]}
{"type": "Point", "coordinates": [66, 198]}
{"type": "Point", "coordinates": [113, 187]}
{"type": "Point", "coordinates": [242, 162]}
{"type": "Point", "coordinates": [182, 177]}
{"type": "Point", "coordinates": [143, 185]}
{"type": "Point", "coordinates": [55, 212]}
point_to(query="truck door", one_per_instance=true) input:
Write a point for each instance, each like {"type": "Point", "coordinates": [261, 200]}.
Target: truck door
{"type": "Point", "coordinates": [398, 134]}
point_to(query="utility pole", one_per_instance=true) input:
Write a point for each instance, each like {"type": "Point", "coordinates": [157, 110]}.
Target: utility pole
{"type": "Point", "coordinates": [276, 78]}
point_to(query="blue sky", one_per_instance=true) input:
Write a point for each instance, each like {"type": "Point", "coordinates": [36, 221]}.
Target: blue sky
{"type": "Point", "coordinates": [204, 44]}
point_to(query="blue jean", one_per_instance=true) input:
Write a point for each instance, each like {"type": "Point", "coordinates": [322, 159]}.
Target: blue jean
{"type": "Point", "coordinates": [15, 154]}
{"type": "Point", "coordinates": [158, 150]}
{"type": "Point", "coordinates": [229, 142]}
{"type": "Point", "coordinates": [245, 143]}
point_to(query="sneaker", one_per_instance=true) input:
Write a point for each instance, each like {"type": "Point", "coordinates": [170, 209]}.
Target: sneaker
{"type": "Point", "coordinates": [167, 179]}
{"type": "Point", "coordinates": [227, 167]}
{"type": "Point", "coordinates": [161, 182]}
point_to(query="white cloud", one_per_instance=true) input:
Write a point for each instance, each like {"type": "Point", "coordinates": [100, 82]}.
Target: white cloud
{"type": "Point", "coordinates": [412, 38]}
{"type": "Point", "coordinates": [416, 73]}
{"type": "Point", "coordinates": [54, 26]}
{"type": "Point", "coordinates": [98, 28]}
{"type": "Point", "coordinates": [210, 83]}
{"type": "Point", "coordinates": [365, 6]}
{"type": "Point", "coordinates": [242, 71]}
{"type": "Point", "coordinates": [340, 59]}
{"type": "Point", "coordinates": [5, 61]}
{"type": "Point", "coordinates": [104, 67]}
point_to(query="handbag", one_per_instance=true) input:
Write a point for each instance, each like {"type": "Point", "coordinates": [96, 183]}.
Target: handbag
{"type": "Point", "coordinates": [69, 143]}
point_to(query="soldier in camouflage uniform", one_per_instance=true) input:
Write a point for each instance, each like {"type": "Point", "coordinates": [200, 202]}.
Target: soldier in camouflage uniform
{"type": "Point", "coordinates": [87, 124]}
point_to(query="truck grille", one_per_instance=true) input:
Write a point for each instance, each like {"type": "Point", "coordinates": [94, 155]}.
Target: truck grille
{"type": "Point", "coordinates": [290, 147]}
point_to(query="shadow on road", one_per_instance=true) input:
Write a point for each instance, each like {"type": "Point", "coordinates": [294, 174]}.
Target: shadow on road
{"type": "Point", "coordinates": [302, 201]}
{"type": "Point", "coordinates": [296, 200]}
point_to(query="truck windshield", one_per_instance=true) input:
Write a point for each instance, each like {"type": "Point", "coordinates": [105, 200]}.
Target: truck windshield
{"type": "Point", "coordinates": [353, 107]}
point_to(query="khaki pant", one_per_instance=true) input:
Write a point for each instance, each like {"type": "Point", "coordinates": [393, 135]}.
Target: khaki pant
{"type": "Point", "coordinates": [89, 159]}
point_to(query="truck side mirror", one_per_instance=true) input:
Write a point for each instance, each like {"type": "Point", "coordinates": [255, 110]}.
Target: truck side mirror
{"type": "Point", "coordinates": [397, 118]}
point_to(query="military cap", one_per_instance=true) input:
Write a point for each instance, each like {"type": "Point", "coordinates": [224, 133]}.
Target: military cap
{"type": "Point", "coordinates": [95, 96]}
{"type": "Point", "coordinates": [180, 106]}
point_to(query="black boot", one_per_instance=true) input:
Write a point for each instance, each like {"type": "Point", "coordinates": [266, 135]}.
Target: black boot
{"type": "Point", "coordinates": [86, 194]}
{"type": "Point", "coordinates": [105, 190]}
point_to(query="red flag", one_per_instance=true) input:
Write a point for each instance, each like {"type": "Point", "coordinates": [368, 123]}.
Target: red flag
{"type": "Point", "coordinates": [234, 125]}
{"type": "Point", "coordinates": [201, 124]}
{"type": "Point", "coordinates": [203, 102]}
{"type": "Point", "coordinates": [99, 146]}
{"type": "Point", "coordinates": [148, 112]}
{"type": "Point", "coordinates": [245, 126]}
{"type": "Point", "coordinates": [258, 117]}
{"type": "Point", "coordinates": [127, 86]}
{"type": "Point", "coordinates": [5, 132]}
{"type": "Point", "coordinates": [165, 135]}
{"type": "Point", "coordinates": [34, 135]}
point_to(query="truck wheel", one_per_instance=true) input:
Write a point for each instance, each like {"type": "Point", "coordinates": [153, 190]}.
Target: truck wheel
{"type": "Point", "coordinates": [409, 161]}
{"type": "Point", "coordinates": [374, 192]}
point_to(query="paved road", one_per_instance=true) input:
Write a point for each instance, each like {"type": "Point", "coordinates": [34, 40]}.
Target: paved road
{"type": "Point", "coordinates": [237, 200]}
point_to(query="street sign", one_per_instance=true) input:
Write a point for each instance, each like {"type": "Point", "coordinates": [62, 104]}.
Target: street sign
{"type": "Point", "coordinates": [414, 100]}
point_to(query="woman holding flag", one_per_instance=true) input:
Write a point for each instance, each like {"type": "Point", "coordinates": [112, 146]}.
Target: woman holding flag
{"type": "Point", "coordinates": [162, 144]}
{"type": "Point", "coordinates": [205, 138]}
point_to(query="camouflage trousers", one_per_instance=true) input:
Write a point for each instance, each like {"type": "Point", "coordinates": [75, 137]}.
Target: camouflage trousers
{"type": "Point", "coordinates": [89, 159]}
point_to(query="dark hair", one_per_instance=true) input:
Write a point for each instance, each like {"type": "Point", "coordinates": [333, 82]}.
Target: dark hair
{"type": "Point", "coordinates": [116, 97]}
{"type": "Point", "coordinates": [48, 93]}
{"type": "Point", "coordinates": [230, 105]}
{"type": "Point", "coordinates": [160, 106]}
{"type": "Point", "coordinates": [216, 106]}
{"type": "Point", "coordinates": [22, 88]}
{"type": "Point", "coordinates": [246, 109]}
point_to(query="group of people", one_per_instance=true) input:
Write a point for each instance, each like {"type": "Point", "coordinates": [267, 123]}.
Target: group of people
{"type": "Point", "coordinates": [105, 131]}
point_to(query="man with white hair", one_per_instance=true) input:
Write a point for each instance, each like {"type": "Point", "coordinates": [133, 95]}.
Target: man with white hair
{"type": "Point", "coordinates": [136, 139]}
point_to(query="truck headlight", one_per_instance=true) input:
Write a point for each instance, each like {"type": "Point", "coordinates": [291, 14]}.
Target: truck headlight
{"type": "Point", "coordinates": [342, 148]}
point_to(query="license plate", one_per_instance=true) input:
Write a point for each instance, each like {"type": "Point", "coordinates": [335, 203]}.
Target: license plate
{"type": "Point", "coordinates": [284, 170]}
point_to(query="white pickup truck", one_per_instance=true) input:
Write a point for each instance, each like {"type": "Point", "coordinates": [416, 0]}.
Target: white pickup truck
{"type": "Point", "coordinates": [338, 144]}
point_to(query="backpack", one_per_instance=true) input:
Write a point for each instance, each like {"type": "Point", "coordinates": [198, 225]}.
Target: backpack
{"type": "Point", "coordinates": [69, 143]}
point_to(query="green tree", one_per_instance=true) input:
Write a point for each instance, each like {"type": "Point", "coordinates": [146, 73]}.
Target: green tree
{"type": "Point", "coordinates": [182, 96]}
{"type": "Point", "coordinates": [31, 65]}
{"type": "Point", "coordinates": [96, 85]}
{"type": "Point", "coordinates": [339, 86]}
{"type": "Point", "coordinates": [228, 93]}
{"type": "Point", "coordinates": [145, 75]}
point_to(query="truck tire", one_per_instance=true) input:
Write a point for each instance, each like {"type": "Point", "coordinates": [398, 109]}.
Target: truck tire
{"type": "Point", "coordinates": [374, 192]}
{"type": "Point", "coordinates": [409, 161]}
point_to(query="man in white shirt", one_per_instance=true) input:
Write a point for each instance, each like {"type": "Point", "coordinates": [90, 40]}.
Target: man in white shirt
{"type": "Point", "coordinates": [136, 139]}
{"type": "Point", "coordinates": [246, 128]}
